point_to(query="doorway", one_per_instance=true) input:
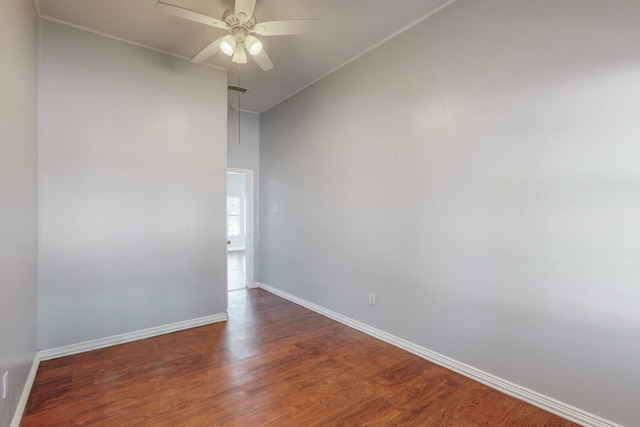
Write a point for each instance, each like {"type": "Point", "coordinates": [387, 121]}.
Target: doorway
{"type": "Point", "coordinates": [239, 228]}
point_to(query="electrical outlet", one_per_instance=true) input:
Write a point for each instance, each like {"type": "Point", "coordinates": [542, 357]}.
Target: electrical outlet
{"type": "Point", "coordinates": [372, 299]}
{"type": "Point", "coordinates": [5, 381]}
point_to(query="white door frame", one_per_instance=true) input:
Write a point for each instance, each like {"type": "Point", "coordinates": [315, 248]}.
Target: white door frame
{"type": "Point", "coordinates": [250, 222]}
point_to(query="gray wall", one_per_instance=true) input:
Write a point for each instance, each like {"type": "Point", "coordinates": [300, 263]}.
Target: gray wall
{"type": "Point", "coordinates": [132, 197]}
{"type": "Point", "coordinates": [18, 196]}
{"type": "Point", "coordinates": [479, 173]}
{"type": "Point", "coordinates": [244, 153]}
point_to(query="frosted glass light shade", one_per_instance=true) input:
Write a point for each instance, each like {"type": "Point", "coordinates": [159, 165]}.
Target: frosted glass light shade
{"type": "Point", "coordinates": [227, 45]}
{"type": "Point", "coordinates": [254, 46]}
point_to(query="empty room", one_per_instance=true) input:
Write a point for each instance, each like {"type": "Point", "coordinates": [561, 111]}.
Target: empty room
{"type": "Point", "coordinates": [320, 212]}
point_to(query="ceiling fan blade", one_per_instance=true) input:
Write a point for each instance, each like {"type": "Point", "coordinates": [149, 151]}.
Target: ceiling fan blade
{"type": "Point", "coordinates": [286, 27]}
{"type": "Point", "coordinates": [240, 55]}
{"type": "Point", "coordinates": [207, 52]}
{"type": "Point", "coordinates": [191, 15]}
{"type": "Point", "coordinates": [263, 60]}
{"type": "Point", "coordinates": [246, 7]}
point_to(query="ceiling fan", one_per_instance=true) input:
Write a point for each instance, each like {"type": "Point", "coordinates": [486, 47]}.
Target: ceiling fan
{"type": "Point", "coordinates": [244, 31]}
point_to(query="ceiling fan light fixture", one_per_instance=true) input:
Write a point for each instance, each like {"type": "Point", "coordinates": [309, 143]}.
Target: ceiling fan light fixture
{"type": "Point", "coordinates": [228, 45]}
{"type": "Point", "coordinates": [254, 45]}
{"type": "Point", "coordinates": [240, 55]}
{"type": "Point", "coordinates": [243, 31]}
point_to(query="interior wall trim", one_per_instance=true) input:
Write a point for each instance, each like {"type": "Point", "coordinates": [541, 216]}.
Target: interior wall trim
{"type": "Point", "coordinates": [82, 347]}
{"type": "Point", "coordinates": [540, 400]}
{"type": "Point", "coordinates": [26, 390]}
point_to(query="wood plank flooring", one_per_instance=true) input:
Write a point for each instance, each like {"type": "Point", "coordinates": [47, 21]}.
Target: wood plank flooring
{"type": "Point", "coordinates": [272, 364]}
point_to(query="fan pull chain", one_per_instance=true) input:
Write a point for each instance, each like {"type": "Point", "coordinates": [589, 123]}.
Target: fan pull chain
{"type": "Point", "coordinates": [239, 107]}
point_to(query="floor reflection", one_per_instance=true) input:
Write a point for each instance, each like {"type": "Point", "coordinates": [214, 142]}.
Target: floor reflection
{"type": "Point", "coordinates": [236, 270]}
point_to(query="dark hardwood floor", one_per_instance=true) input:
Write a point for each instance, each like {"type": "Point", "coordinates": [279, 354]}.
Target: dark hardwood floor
{"type": "Point", "coordinates": [272, 364]}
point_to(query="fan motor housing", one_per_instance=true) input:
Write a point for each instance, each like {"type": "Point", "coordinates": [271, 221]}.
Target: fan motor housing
{"type": "Point", "coordinates": [234, 21]}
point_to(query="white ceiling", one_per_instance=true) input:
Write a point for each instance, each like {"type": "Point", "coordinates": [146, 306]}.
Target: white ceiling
{"type": "Point", "coordinates": [348, 28]}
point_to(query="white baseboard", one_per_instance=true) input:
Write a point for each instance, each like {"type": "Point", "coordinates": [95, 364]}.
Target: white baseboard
{"type": "Point", "coordinates": [69, 350]}
{"type": "Point", "coordinates": [547, 403]}
{"type": "Point", "coordinates": [24, 396]}
{"type": "Point", "coordinates": [82, 347]}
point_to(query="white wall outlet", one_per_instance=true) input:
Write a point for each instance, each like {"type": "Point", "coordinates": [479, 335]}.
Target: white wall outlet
{"type": "Point", "coordinates": [5, 384]}
{"type": "Point", "coordinates": [372, 299]}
